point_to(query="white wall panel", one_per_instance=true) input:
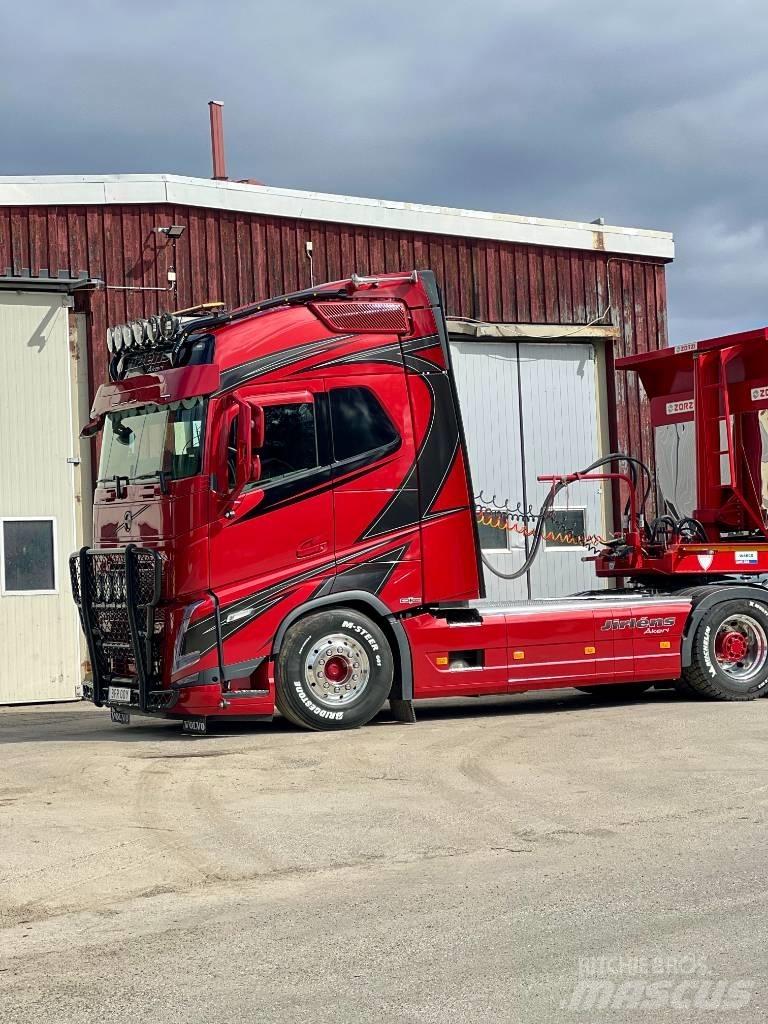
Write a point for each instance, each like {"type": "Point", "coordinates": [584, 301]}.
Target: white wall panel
{"type": "Point", "coordinates": [39, 633]}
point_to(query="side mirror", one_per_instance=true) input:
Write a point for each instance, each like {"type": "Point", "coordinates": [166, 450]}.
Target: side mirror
{"type": "Point", "coordinates": [238, 463]}
{"type": "Point", "coordinates": [258, 425]}
{"type": "Point", "coordinates": [92, 427]}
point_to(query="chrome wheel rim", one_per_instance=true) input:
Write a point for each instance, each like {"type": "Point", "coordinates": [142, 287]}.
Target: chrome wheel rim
{"type": "Point", "coordinates": [337, 670]}
{"type": "Point", "coordinates": [741, 648]}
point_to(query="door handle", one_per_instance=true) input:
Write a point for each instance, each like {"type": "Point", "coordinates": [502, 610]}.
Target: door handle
{"type": "Point", "coordinates": [313, 546]}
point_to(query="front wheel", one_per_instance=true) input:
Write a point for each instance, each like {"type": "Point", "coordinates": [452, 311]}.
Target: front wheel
{"type": "Point", "coordinates": [334, 670]}
{"type": "Point", "coordinates": [729, 659]}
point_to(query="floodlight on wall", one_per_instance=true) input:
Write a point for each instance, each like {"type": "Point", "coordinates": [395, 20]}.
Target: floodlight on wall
{"type": "Point", "coordinates": [173, 231]}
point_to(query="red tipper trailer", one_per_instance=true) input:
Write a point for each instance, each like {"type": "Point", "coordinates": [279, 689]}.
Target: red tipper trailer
{"type": "Point", "coordinates": [284, 519]}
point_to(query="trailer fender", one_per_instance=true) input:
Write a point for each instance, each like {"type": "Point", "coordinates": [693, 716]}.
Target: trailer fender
{"type": "Point", "coordinates": [705, 598]}
{"type": "Point", "coordinates": [402, 688]}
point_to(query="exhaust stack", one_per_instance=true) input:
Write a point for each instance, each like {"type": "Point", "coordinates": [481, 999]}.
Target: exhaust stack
{"type": "Point", "coordinates": [217, 140]}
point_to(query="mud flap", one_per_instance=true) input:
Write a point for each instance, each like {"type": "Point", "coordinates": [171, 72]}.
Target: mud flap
{"type": "Point", "coordinates": [402, 710]}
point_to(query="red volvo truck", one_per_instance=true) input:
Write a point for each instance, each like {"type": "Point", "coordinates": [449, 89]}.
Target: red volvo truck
{"type": "Point", "coordinates": [284, 519]}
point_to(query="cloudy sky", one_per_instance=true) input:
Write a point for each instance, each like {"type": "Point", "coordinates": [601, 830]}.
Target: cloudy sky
{"type": "Point", "coordinates": [650, 115]}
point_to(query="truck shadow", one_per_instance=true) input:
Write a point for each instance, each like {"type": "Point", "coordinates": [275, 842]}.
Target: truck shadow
{"type": "Point", "coordinates": [47, 724]}
{"type": "Point", "coordinates": [543, 702]}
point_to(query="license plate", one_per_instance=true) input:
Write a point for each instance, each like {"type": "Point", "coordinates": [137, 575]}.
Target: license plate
{"type": "Point", "coordinates": [196, 726]}
{"type": "Point", "coordinates": [120, 717]}
{"type": "Point", "coordinates": [120, 694]}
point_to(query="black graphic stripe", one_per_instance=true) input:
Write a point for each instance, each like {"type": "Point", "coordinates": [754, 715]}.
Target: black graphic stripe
{"type": "Point", "coordinates": [390, 354]}
{"type": "Point", "coordinates": [238, 614]}
{"type": "Point", "coordinates": [259, 367]}
{"type": "Point", "coordinates": [308, 485]}
{"type": "Point", "coordinates": [437, 452]}
{"type": "Point", "coordinates": [371, 575]}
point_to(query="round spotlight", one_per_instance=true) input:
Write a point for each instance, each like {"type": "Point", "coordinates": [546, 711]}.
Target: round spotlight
{"type": "Point", "coordinates": [153, 330]}
{"type": "Point", "coordinates": [110, 342]}
{"type": "Point", "coordinates": [127, 336]}
{"type": "Point", "coordinates": [138, 331]}
{"type": "Point", "coordinates": [169, 324]}
{"type": "Point", "coordinates": [117, 339]}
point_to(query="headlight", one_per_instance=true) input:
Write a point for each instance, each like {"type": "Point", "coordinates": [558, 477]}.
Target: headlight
{"type": "Point", "coordinates": [110, 341]}
{"type": "Point", "coordinates": [169, 325]}
{"type": "Point", "coordinates": [138, 330]}
{"type": "Point", "coordinates": [182, 661]}
{"type": "Point", "coordinates": [153, 330]}
{"type": "Point", "coordinates": [127, 336]}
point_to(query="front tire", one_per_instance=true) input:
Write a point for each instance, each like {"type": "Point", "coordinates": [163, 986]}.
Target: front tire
{"type": "Point", "coordinates": [334, 670]}
{"type": "Point", "coordinates": [729, 658]}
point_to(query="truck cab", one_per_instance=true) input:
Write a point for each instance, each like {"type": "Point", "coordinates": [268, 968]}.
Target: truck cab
{"type": "Point", "coordinates": [303, 454]}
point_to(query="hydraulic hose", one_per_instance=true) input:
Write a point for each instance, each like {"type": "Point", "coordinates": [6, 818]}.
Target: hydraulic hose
{"type": "Point", "coordinates": [548, 502]}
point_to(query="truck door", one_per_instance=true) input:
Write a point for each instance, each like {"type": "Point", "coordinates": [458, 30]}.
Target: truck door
{"type": "Point", "coordinates": [375, 489]}
{"type": "Point", "coordinates": [281, 547]}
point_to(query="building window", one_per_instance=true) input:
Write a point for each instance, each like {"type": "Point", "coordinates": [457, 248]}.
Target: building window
{"type": "Point", "coordinates": [290, 440]}
{"type": "Point", "coordinates": [492, 538]}
{"type": "Point", "coordinates": [359, 423]}
{"type": "Point", "coordinates": [565, 528]}
{"type": "Point", "coordinates": [28, 556]}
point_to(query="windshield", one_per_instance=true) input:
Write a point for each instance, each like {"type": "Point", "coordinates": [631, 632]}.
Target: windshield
{"type": "Point", "coordinates": [138, 443]}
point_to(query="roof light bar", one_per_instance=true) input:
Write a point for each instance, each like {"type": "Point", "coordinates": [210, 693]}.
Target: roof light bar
{"type": "Point", "coordinates": [152, 332]}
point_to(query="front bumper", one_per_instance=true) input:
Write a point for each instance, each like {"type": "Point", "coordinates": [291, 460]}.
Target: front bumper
{"type": "Point", "coordinates": [117, 591]}
{"type": "Point", "coordinates": [157, 700]}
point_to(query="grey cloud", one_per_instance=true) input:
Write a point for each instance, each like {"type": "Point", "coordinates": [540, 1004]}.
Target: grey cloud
{"type": "Point", "coordinates": [649, 115]}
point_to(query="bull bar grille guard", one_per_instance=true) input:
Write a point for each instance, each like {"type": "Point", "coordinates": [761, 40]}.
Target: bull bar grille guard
{"type": "Point", "coordinates": [123, 581]}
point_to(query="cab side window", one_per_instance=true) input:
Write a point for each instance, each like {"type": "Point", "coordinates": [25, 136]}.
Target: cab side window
{"type": "Point", "coordinates": [359, 423]}
{"type": "Point", "coordinates": [290, 440]}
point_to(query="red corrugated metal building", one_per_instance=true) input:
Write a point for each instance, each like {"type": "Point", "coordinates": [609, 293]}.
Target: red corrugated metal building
{"type": "Point", "coordinates": [246, 242]}
{"type": "Point", "coordinates": [512, 286]}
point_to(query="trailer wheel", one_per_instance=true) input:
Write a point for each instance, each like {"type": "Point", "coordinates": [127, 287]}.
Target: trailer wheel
{"type": "Point", "coordinates": [616, 691]}
{"type": "Point", "coordinates": [334, 670]}
{"type": "Point", "coordinates": [729, 658]}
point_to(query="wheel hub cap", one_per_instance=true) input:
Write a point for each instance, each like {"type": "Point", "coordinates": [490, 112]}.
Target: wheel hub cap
{"type": "Point", "coordinates": [337, 670]}
{"type": "Point", "coordinates": [741, 648]}
{"type": "Point", "coordinates": [732, 647]}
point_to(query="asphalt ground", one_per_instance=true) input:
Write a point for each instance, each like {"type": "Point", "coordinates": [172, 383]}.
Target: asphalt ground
{"type": "Point", "coordinates": [532, 858]}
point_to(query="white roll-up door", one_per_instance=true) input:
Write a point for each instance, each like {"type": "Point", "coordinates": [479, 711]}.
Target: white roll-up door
{"type": "Point", "coordinates": [39, 630]}
{"type": "Point", "coordinates": [528, 409]}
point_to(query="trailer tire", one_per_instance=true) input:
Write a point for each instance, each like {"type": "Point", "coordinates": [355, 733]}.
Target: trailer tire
{"type": "Point", "coordinates": [729, 655]}
{"type": "Point", "coordinates": [616, 691]}
{"type": "Point", "coordinates": [334, 670]}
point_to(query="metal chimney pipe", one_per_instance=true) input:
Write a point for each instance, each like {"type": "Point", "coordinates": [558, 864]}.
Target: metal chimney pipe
{"type": "Point", "coordinates": [217, 140]}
